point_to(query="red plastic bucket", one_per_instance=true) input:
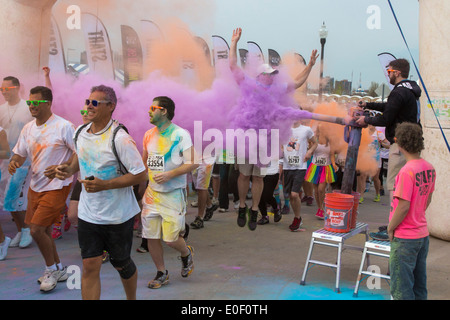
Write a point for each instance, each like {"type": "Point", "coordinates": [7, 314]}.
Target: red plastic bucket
{"type": "Point", "coordinates": [338, 212]}
{"type": "Point", "coordinates": [356, 195]}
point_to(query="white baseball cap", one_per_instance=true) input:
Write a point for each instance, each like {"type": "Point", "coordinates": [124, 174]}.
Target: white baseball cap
{"type": "Point", "coordinates": [265, 68]}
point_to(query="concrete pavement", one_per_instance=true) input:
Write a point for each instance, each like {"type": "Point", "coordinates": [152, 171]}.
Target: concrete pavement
{"type": "Point", "coordinates": [231, 263]}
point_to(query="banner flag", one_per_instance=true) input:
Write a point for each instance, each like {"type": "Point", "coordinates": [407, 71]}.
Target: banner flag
{"type": "Point", "coordinates": [56, 59]}
{"type": "Point", "coordinates": [274, 58]}
{"type": "Point", "coordinates": [131, 55]}
{"type": "Point", "coordinates": [98, 47]}
{"type": "Point", "coordinates": [385, 58]}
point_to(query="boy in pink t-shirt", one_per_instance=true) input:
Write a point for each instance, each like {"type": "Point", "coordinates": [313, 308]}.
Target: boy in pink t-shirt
{"type": "Point", "coordinates": [407, 228]}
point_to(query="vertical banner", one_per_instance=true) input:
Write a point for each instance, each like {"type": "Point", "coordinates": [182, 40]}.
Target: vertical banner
{"type": "Point", "coordinates": [150, 35]}
{"type": "Point", "coordinates": [132, 55]}
{"type": "Point", "coordinates": [98, 48]}
{"type": "Point", "coordinates": [274, 58]}
{"type": "Point", "coordinates": [56, 59]}
{"type": "Point", "coordinates": [221, 51]}
{"type": "Point", "coordinates": [202, 43]}
{"type": "Point", "coordinates": [385, 58]}
{"type": "Point", "coordinates": [243, 56]}
{"type": "Point", "coordinates": [255, 53]}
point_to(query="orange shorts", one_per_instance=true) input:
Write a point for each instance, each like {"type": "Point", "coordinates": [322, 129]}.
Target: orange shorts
{"type": "Point", "coordinates": [44, 208]}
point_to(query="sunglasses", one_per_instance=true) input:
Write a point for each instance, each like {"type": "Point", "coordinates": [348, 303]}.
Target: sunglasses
{"type": "Point", "coordinates": [390, 70]}
{"type": "Point", "coordinates": [83, 112]}
{"type": "Point", "coordinates": [6, 89]}
{"type": "Point", "coordinates": [35, 103]}
{"type": "Point", "coordinates": [95, 102]}
{"type": "Point", "coordinates": [153, 108]}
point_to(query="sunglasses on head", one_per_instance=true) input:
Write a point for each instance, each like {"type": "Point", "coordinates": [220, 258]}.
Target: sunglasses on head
{"type": "Point", "coordinates": [153, 108]}
{"type": "Point", "coordinates": [95, 102]}
{"type": "Point", "coordinates": [83, 112]}
{"type": "Point", "coordinates": [35, 103]}
{"type": "Point", "coordinates": [6, 89]}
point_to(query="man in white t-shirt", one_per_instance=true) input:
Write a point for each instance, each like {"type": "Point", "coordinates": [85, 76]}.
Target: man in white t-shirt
{"type": "Point", "coordinates": [169, 155]}
{"type": "Point", "coordinates": [107, 205]}
{"type": "Point", "coordinates": [295, 156]}
{"type": "Point", "coordinates": [14, 114]}
{"type": "Point", "coordinates": [47, 141]}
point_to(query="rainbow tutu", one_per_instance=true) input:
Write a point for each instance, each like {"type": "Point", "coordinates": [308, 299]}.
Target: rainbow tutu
{"type": "Point", "coordinates": [319, 174]}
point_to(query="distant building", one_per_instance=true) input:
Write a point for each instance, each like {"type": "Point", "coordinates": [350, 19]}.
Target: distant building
{"type": "Point", "coordinates": [343, 87]}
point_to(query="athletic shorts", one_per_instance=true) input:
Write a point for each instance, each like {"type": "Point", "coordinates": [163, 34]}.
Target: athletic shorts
{"type": "Point", "coordinates": [163, 214]}
{"type": "Point", "coordinates": [44, 208]}
{"type": "Point", "coordinates": [16, 191]}
{"type": "Point", "coordinates": [293, 180]}
{"type": "Point", "coordinates": [201, 176]}
{"type": "Point", "coordinates": [396, 161]}
{"type": "Point", "coordinates": [116, 239]}
{"type": "Point", "coordinates": [250, 170]}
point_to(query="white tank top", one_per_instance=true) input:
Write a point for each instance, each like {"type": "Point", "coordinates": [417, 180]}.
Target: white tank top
{"type": "Point", "coordinates": [322, 155]}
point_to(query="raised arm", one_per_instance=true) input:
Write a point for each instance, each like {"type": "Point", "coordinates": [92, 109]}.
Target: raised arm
{"type": "Point", "coordinates": [301, 78]}
{"type": "Point", "coordinates": [233, 57]}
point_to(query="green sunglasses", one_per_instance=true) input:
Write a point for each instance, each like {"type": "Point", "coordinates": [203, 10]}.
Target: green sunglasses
{"type": "Point", "coordinates": [83, 112]}
{"type": "Point", "coordinates": [35, 102]}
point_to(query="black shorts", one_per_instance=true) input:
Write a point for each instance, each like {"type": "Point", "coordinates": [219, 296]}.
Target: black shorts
{"type": "Point", "coordinates": [293, 180]}
{"type": "Point", "coordinates": [116, 239]}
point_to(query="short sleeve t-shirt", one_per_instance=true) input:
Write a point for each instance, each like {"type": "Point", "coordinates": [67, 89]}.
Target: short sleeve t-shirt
{"type": "Point", "coordinates": [295, 150]}
{"type": "Point", "coordinates": [46, 145]}
{"type": "Point", "coordinates": [96, 158]}
{"type": "Point", "coordinates": [165, 152]}
{"type": "Point", "coordinates": [414, 183]}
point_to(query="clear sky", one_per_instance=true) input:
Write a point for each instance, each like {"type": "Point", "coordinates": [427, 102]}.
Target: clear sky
{"type": "Point", "coordinates": [358, 30]}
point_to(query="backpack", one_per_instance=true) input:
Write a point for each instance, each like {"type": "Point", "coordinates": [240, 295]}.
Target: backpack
{"type": "Point", "coordinates": [122, 168]}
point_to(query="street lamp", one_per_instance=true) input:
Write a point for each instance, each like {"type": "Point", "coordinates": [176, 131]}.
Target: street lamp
{"type": "Point", "coordinates": [323, 32]}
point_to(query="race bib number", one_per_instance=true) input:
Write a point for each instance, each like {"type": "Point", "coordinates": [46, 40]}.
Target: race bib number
{"type": "Point", "coordinates": [320, 161]}
{"type": "Point", "coordinates": [294, 161]}
{"type": "Point", "coordinates": [155, 162]}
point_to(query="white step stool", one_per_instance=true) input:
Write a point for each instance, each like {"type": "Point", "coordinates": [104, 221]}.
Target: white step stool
{"type": "Point", "coordinates": [376, 248]}
{"type": "Point", "coordinates": [333, 239]}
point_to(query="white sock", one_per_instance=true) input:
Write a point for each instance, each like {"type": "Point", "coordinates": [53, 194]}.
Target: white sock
{"type": "Point", "coordinates": [52, 267]}
{"type": "Point", "coordinates": [60, 266]}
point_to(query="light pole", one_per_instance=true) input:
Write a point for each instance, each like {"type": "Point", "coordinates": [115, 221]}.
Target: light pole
{"type": "Point", "coordinates": [323, 32]}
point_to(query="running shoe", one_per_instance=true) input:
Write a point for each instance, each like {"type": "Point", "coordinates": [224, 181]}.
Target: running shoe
{"type": "Point", "coordinates": [160, 279]}
{"type": "Point", "coordinates": [187, 263]}
{"type": "Point", "coordinates": [285, 209]}
{"type": "Point", "coordinates": [49, 280]}
{"type": "Point", "coordinates": [61, 275]}
{"type": "Point", "coordinates": [223, 209]}
{"type": "Point", "coordinates": [377, 198]}
{"type": "Point", "coordinates": [16, 240]}
{"type": "Point", "coordinates": [142, 249]}
{"type": "Point", "coordinates": [67, 224]}
{"type": "Point", "coordinates": [4, 248]}
{"type": "Point", "coordinates": [309, 201]}
{"type": "Point", "coordinates": [263, 220]}
{"type": "Point", "coordinates": [319, 214]}
{"type": "Point", "coordinates": [56, 233]}
{"type": "Point", "coordinates": [296, 223]}
{"type": "Point", "coordinates": [210, 211]}
{"type": "Point", "coordinates": [197, 223]}
{"type": "Point", "coordinates": [242, 216]}
{"type": "Point", "coordinates": [25, 239]}
{"type": "Point", "coordinates": [252, 217]}
{"type": "Point", "coordinates": [361, 199]}
{"type": "Point", "coordinates": [277, 215]}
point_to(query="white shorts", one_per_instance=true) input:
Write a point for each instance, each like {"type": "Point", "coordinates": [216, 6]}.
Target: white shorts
{"type": "Point", "coordinates": [202, 176]}
{"type": "Point", "coordinates": [163, 214]}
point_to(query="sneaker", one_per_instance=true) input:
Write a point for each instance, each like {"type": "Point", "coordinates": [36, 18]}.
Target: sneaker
{"type": "Point", "coordinates": [197, 223]}
{"type": "Point", "coordinates": [377, 198]}
{"type": "Point", "coordinates": [381, 236]}
{"type": "Point", "coordinates": [194, 204]}
{"type": "Point", "coordinates": [252, 217]}
{"type": "Point", "coordinates": [67, 225]}
{"type": "Point", "coordinates": [142, 249]}
{"type": "Point", "coordinates": [285, 209]}
{"type": "Point", "coordinates": [319, 214]}
{"type": "Point", "coordinates": [49, 280]}
{"type": "Point", "coordinates": [361, 199]}
{"type": "Point", "coordinates": [56, 233]}
{"type": "Point", "coordinates": [309, 201]}
{"type": "Point", "coordinates": [210, 211]}
{"type": "Point", "coordinates": [4, 248]}
{"type": "Point", "coordinates": [61, 275]}
{"type": "Point", "coordinates": [236, 205]}
{"type": "Point", "coordinates": [277, 215]}
{"type": "Point", "coordinates": [16, 240]}
{"type": "Point", "coordinates": [223, 210]}
{"type": "Point", "coordinates": [381, 192]}
{"type": "Point", "coordinates": [187, 263]}
{"type": "Point", "coordinates": [263, 220]}
{"type": "Point", "coordinates": [160, 279]}
{"type": "Point", "coordinates": [296, 223]}
{"type": "Point", "coordinates": [305, 197]}
{"type": "Point", "coordinates": [25, 239]}
{"type": "Point", "coordinates": [242, 216]}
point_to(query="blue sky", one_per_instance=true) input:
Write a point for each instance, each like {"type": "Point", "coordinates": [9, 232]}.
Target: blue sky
{"type": "Point", "coordinates": [282, 25]}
